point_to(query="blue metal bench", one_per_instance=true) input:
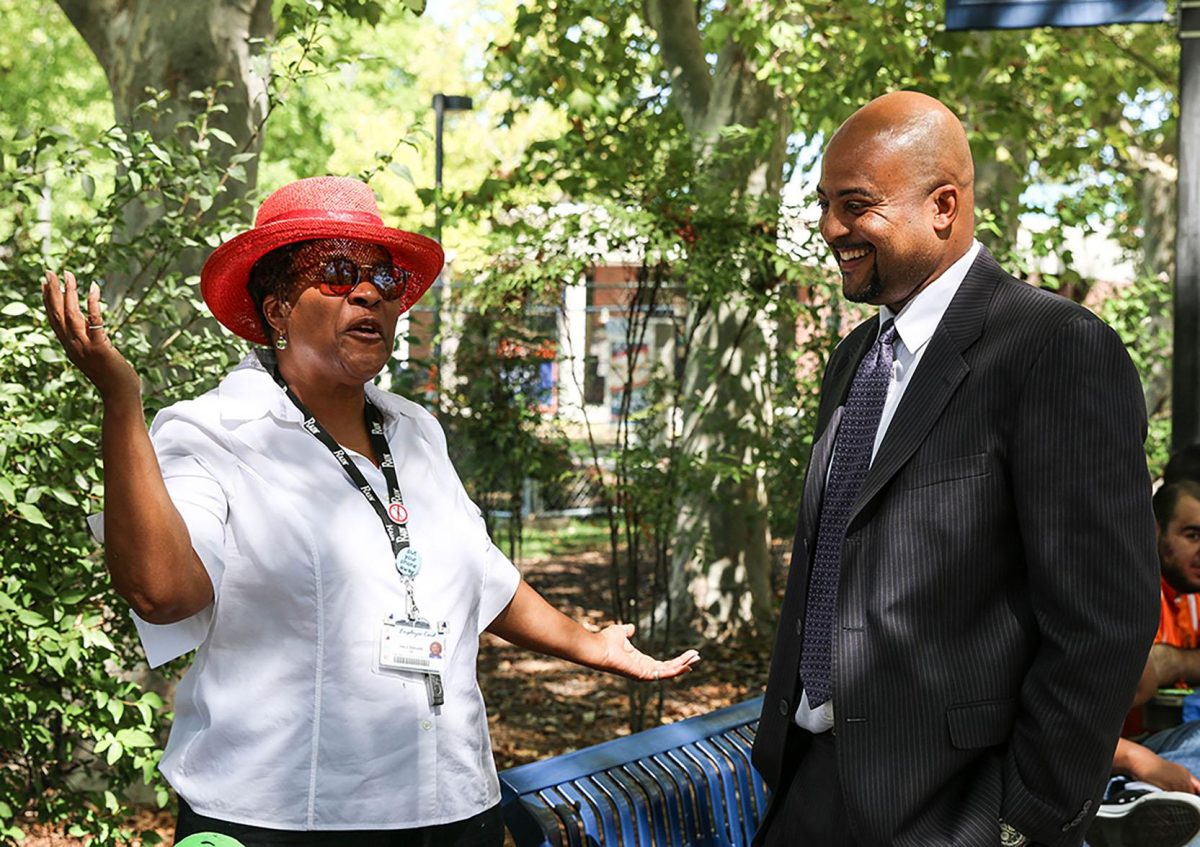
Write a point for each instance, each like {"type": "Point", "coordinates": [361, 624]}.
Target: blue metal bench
{"type": "Point", "coordinates": [690, 783]}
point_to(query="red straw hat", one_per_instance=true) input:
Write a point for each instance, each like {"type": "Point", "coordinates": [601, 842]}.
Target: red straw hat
{"type": "Point", "coordinates": [319, 207]}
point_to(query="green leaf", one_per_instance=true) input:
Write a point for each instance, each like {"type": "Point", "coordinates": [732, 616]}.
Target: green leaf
{"type": "Point", "coordinates": [14, 309]}
{"type": "Point", "coordinates": [162, 156]}
{"type": "Point", "coordinates": [135, 738]}
{"type": "Point", "coordinates": [64, 496]}
{"type": "Point", "coordinates": [32, 514]}
{"type": "Point", "coordinates": [114, 753]}
{"type": "Point", "coordinates": [45, 427]}
{"type": "Point", "coordinates": [222, 136]}
{"type": "Point", "coordinates": [30, 617]}
{"type": "Point", "coordinates": [89, 186]}
{"type": "Point", "coordinates": [70, 598]}
{"type": "Point", "coordinates": [403, 172]}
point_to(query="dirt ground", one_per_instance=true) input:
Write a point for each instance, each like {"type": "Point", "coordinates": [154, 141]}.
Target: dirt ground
{"type": "Point", "coordinates": [540, 707]}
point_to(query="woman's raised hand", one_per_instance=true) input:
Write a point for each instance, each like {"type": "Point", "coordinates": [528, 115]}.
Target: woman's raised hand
{"type": "Point", "coordinates": [84, 338]}
{"type": "Point", "coordinates": [625, 659]}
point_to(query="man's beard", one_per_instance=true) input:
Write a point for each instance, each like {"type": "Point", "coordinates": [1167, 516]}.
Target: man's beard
{"type": "Point", "coordinates": [870, 292]}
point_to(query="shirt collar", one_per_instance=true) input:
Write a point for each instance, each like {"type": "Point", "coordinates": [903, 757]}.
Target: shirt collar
{"type": "Point", "coordinates": [249, 393]}
{"type": "Point", "coordinates": [921, 315]}
{"type": "Point", "coordinates": [1171, 595]}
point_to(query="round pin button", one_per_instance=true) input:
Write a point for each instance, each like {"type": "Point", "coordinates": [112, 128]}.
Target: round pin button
{"type": "Point", "coordinates": [398, 513]}
{"type": "Point", "coordinates": [408, 563]}
{"type": "Point", "coordinates": [427, 725]}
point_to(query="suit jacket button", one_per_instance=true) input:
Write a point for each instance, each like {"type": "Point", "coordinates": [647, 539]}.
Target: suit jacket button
{"type": "Point", "coordinates": [783, 708]}
{"type": "Point", "coordinates": [799, 626]}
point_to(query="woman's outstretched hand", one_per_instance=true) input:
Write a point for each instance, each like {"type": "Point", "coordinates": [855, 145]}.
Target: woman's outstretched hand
{"type": "Point", "coordinates": [621, 657]}
{"type": "Point", "coordinates": [84, 338]}
{"type": "Point", "coordinates": [529, 621]}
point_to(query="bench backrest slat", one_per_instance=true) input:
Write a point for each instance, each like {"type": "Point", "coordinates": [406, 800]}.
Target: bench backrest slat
{"type": "Point", "coordinates": [690, 783]}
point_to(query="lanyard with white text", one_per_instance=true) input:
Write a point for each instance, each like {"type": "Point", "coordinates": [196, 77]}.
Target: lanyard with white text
{"type": "Point", "coordinates": [395, 517]}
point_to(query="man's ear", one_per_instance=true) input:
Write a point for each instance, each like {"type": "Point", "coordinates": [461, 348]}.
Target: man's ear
{"type": "Point", "coordinates": [946, 201]}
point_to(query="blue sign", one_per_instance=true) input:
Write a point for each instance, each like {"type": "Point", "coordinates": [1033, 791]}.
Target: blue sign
{"type": "Point", "coordinates": [1025, 14]}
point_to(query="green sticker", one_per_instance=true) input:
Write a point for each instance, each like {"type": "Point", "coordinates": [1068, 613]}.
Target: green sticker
{"type": "Point", "coordinates": [209, 839]}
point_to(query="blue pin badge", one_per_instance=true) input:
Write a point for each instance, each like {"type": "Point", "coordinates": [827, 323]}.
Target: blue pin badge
{"type": "Point", "coordinates": [408, 563]}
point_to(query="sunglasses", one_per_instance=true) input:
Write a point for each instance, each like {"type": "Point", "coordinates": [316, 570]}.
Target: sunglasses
{"type": "Point", "coordinates": [338, 277]}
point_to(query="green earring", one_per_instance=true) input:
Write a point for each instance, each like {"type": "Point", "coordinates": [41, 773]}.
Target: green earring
{"type": "Point", "coordinates": [281, 342]}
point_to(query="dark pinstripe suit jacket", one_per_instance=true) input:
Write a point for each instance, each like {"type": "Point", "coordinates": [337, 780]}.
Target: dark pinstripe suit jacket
{"type": "Point", "coordinates": [999, 578]}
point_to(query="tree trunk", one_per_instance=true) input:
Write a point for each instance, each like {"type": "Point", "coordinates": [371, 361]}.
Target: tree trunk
{"type": "Point", "coordinates": [1158, 193]}
{"type": "Point", "coordinates": [721, 563]}
{"type": "Point", "coordinates": [178, 48]}
{"type": "Point", "coordinates": [721, 574]}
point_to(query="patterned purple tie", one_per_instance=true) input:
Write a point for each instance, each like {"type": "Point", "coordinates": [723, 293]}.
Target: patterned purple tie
{"type": "Point", "coordinates": [852, 448]}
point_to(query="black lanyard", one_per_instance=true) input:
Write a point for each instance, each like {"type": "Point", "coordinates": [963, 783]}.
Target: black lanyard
{"type": "Point", "coordinates": [395, 517]}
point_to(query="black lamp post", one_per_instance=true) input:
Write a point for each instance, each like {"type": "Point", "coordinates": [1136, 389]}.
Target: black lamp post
{"type": "Point", "coordinates": [442, 103]}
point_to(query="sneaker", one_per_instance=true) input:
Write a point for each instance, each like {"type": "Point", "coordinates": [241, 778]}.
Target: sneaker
{"type": "Point", "coordinates": [1145, 817]}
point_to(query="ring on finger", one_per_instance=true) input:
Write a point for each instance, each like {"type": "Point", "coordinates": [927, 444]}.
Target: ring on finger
{"type": "Point", "coordinates": [92, 326]}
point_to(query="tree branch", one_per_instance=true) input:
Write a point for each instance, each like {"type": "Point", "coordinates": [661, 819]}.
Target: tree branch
{"type": "Point", "coordinates": [92, 19]}
{"type": "Point", "coordinates": [678, 30]}
{"type": "Point", "coordinates": [1166, 79]}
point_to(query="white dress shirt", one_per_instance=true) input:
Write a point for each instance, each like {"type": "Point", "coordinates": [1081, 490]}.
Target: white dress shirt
{"type": "Point", "coordinates": [915, 325]}
{"type": "Point", "coordinates": [284, 719]}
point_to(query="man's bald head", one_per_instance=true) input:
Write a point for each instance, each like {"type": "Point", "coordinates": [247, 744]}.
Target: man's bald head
{"type": "Point", "coordinates": [897, 197]}
{"type": "Point", "coordinates": [917, 129]}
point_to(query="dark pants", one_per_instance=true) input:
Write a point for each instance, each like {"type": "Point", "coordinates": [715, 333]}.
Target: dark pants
{"type": "Point", "coordinates": [809, 809]}
{"type": "Point", "coordinates": [484, 830]}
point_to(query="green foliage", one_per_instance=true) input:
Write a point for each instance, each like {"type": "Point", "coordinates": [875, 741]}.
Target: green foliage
{"type": "Point", "coordinates": [1075, 108]}
{"type": "Point", "coordinates": [1141, 314]}
{"type": "Point", "coordinates": [75, 727]}
{"type": "Point", "coordinates": [48, 76]}
{"type": "Point", "coordinates": [493, 424]}
{"type": "Point", "coordinates": [1075, 113]}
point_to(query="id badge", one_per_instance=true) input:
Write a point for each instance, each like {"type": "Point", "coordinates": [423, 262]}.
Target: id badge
{"type": "Point", "coordinates": [406, 645]}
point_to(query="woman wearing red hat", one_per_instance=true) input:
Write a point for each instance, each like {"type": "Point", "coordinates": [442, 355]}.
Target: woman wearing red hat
{"type": "Point", "coordinates": [306, 534]}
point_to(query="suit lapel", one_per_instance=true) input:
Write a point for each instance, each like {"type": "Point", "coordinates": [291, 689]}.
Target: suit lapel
{"type": "Point", "coordinates": [837, 383]}
{"type": "Point", "coordinates": [814, 481]}
{"type": "Point", "coordinates": [935, 381]}
{"type": "Point", "coordinates": [842, 367]}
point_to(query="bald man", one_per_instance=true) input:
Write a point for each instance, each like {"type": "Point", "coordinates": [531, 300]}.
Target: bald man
{"type": "Point", "coordinates": [973, 585]}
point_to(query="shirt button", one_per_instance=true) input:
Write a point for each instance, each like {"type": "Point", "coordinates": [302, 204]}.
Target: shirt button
{"type": "Point", "coordinates": [426, 725]}
{"type": "Point", "coordinates": [783, 707]}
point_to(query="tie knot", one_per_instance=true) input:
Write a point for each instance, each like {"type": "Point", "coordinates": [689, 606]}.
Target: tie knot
{"type": "Point", "coordinates": [887, 335]}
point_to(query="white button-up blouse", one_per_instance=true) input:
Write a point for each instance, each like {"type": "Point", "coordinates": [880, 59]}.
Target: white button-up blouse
{"type": "Point", "coordinates": [284, 719]}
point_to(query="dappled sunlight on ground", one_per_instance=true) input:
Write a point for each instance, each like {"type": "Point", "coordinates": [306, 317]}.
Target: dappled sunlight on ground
{"type": "Point", "coordinates": [541, 707]}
